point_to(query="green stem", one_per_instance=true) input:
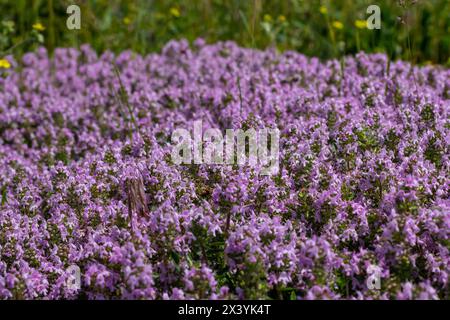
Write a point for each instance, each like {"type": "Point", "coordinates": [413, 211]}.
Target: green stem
{"type": "Point", "coordinates": [51, 26]}
{"type": "Point", "coordinates": [9, 50]}
{"type": "Point", "coordinates": [358, 43]}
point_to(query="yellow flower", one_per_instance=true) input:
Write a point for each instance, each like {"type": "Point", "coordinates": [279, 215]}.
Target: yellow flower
{"type": "Point", "coordinates": [361, 24]}
{"type": "Point", "coordinates": [175, 12]}
{"type": "Point", "coordinates": [38, 26]}
{"type": "Point", "coordinates": [4, 64]}
{"type": "Point", "coordinates": [126, 20]}
{"type": "Point", "coordinates": [281, 18]}
{"type": "Point", "coordinates": [267, 18]}
{"type": "Point", "coordinates": [323, 10]}
{"type": "Point", "coordinates": [338, 25]}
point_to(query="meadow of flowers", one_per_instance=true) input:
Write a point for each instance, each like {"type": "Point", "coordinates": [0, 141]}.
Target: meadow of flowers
{"type": "Point", "coordinates": [86, 176]}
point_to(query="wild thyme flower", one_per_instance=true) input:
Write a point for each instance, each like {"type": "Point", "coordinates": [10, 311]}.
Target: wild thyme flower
{"type": "Point", "coordinates": [363, 179]}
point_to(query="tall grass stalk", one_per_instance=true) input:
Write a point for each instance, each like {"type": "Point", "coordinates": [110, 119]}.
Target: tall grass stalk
{"type": "Point", "coordinates": [123, 100]}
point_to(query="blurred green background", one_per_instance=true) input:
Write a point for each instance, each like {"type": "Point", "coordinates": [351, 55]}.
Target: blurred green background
{"type": "Point", "coordinates": [417, 31]}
